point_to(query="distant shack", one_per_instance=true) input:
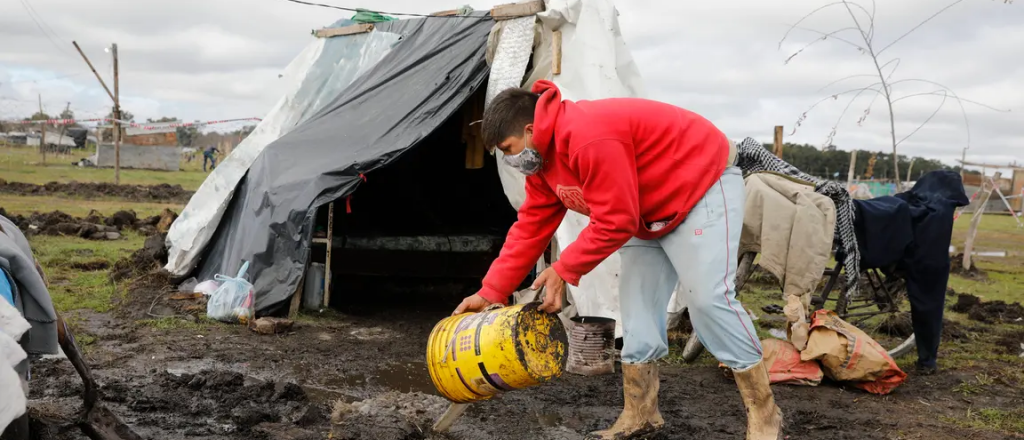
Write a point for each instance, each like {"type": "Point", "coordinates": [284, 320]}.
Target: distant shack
{"type": "Point", "coordinates": [153, 147]}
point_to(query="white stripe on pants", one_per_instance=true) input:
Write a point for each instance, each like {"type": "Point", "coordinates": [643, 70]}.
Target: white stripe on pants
{"type": "Point", "coordinates": [700, 254]}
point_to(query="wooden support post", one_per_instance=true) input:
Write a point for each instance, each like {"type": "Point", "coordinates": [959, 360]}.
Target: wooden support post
{"type": "Point", "coordinates": [778, 141]}
{"type": "Point", "coordinates": [117, 116]}
{"type": "Point", "coordinates": [556, 53]}
{"type": "Point", "coordinates": [330, 247]}
{"type": "Point", "coordinates": [42, 131]}
{"type": "Point", "coordinates": [987, 185]}
{"type": "Point", "coordinates": [449, 417]}
{"type": "Point", "coordinates": [293, 308]}
{"type": "Point", "coordinates": [853, 167]}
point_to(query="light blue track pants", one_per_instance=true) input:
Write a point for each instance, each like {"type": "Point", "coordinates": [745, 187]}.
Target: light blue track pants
{"type": "Point", "coordinates": [701, 253]}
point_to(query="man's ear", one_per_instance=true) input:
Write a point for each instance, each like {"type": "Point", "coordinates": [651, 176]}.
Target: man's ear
{"type": "Point", "coordinates": [528, 129]}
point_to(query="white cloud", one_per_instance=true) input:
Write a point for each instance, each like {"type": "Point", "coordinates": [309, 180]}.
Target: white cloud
{"type": "Point", "coordinates": [212, 60]}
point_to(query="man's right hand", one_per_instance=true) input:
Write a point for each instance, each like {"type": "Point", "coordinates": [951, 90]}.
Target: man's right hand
{"type": "Point", "coordinates": [473, 303]}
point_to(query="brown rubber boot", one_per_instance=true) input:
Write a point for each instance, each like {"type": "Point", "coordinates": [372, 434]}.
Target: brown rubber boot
{"type": "Point", "coordinates": [640, 413]}
{"type": "Point", "coordinates": [764, 418]}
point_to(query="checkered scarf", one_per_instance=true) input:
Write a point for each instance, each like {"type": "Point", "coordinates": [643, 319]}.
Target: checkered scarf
{"type": "Point", "coordinates": [754, 158]}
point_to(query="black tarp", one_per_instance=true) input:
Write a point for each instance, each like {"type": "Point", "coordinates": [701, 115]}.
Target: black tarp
{"type": "Point", "coordinates": [438, 64]}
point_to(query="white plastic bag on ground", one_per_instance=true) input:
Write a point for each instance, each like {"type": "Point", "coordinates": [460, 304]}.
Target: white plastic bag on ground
{"type": "Point", "coordinates": [233, 301]}
{"type": "Point", "coordinates": [12, 394]}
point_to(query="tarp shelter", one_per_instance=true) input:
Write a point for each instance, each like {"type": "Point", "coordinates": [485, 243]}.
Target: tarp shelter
{"type": "Point", "coordinates": [380, 106]}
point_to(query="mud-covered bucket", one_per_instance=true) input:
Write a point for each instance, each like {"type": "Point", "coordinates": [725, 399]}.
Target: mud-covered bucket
{"type": "Point", "coordinates": [591, 346]}
{"type": "Point", "coordinates": [474, 356]}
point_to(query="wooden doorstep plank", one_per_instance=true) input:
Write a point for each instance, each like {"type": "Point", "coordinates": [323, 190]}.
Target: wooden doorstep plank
{"type": "Point", "coordinates": [556, 53]}
{"type": "Point", "coordinates": [516, 10]}
{"type": "Point", "coordinates": [342, 31]}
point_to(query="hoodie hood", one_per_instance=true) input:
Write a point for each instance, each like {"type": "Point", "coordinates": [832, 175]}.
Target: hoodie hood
{"type": "Point", "coordinates": [545, 118]}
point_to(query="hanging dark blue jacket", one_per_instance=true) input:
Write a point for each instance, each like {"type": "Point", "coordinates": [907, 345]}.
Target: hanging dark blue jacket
{"type": "Point", "coordinates": [912, 231]}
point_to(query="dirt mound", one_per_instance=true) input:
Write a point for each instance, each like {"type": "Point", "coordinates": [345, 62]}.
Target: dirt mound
{"type": "Point", "coordinates": [92, 190]}
{"type": "Point", "coordinates": [1012, 343]}
{"type": "Point", "coordinates": [899, 325]}
{"type": "Point", "coordinates": [989, 312]}
{"type": "Point", "coordinates": [956, 267]}
{"type": "Point", "coordinates": [216, 402]}
{"type": "Point", "coordinates": [94, 226]}
{"type": "Point", "coordinates": [152, 256]}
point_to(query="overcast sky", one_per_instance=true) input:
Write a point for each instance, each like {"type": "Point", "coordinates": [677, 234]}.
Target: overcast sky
{"type": "Point", "coordinates": [220, 59]}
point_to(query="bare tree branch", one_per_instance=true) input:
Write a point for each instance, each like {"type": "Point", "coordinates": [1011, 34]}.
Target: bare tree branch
{"type": "Point", "coordinates": [824, 37]}
{"type": "Point", "coordinates": [926, 121]}
{"type": "Point", "coordinates": [951, 92]}
{"type": "Point", "coordinates": [861, 75]}
{"type": "Point", "coordinates": [940, 11]}
{"type": "Point", "coordinates": [884, 86]}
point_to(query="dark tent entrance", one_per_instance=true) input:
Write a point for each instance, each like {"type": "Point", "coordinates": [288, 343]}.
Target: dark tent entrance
{"type": "Point", "coordinates": [429, 222]}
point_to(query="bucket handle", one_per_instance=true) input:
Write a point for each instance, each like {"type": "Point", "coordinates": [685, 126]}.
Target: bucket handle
{"type": "Point", "coordinates": [448, 348]}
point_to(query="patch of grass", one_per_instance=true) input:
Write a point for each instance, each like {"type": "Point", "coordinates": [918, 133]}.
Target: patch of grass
{"type": "Point", "coordinates": [25, 205]}
{"type": "Point", "coordinates": [73, 289]}
{"type": "Point", "coordinates": [23, 164]}
{"type": "Point", "coordinates": [991, 419]}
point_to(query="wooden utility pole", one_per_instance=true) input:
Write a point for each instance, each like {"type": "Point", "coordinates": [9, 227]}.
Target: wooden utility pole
{"type": "Point", "coordinates": [63, 127]}
{"type": "Point", "coordinates": [117, 109]}
{"type": "Point", "coordinates": [987, 186]}
{"type": "Point", "coordinates": [117, 118]}
{"type": "Point", "coordinates": [42, 130]}
{"type": "Point", "coordinates": [778, 141]}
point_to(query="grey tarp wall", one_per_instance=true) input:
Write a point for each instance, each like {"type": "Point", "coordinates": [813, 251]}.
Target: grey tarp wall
{"type": "Point", "coordinates": [421, 82]}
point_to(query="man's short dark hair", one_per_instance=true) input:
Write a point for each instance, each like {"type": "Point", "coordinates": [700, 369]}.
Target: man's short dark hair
{"type": "Point", "coordinates": [507, 114]}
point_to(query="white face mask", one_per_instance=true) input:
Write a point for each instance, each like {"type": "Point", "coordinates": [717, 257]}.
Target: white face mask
{"type": "Point", "coordinates": [527, 161]}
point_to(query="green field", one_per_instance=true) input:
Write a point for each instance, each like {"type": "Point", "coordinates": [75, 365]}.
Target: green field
{"type": "Point", "coordinates": [24, 164]}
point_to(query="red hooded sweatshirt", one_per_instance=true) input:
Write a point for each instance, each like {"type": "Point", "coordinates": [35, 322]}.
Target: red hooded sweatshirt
{"type": "Point", "coordinates": [624, 162]}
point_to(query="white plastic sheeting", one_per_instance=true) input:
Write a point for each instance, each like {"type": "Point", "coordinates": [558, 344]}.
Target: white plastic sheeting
{"type": "Point", "coordinates": [324, 68]}
{"type": "Point", "coordinates": [595, 64]}
{"type": "Point", "coordinates": [12, 392]}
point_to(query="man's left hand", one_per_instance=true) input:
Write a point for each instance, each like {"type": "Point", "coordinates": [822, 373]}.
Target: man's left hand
{"type": "Point", "coordinates": [554, 287]}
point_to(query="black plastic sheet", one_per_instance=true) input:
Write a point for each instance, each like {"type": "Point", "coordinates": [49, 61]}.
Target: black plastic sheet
{"type": "Point", "coordinates": [419, 84]}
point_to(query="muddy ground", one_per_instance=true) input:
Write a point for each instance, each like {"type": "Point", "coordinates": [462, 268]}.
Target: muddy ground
{"type": "Point", "coordinates": [93, 190]}
{"type": "Point", "coordinates": [180, 379]}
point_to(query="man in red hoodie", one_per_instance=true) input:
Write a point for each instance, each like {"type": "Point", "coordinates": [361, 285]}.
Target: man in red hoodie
{"type": "Point", "coordinates": [660, 186]}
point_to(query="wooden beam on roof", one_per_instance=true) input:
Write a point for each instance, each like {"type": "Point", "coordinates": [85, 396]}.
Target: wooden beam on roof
{"type": "Point", "coordinates": [448, 13]}
{"type": "Point", "coordinates": [1012, 166]}
{"type": "Point", "coordinates": [342, 31]}
{"type": "Point", "coordinates": [516, 10]}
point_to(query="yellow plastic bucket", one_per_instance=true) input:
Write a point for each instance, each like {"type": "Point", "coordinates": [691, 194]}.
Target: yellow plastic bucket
{"type": "Point", "coordinates": [474, 356]}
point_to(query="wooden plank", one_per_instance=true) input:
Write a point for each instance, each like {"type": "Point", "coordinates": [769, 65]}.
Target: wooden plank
{"type": "Point", "coordinates": [448, 13]}
{"type": "Point", "coordinates": [293, 309]}
{"type": "Point", "coordinates": [449, 417]}
{"type": "Point", "coordinates": [778, 141]}
{"type": "Point", "coordinates": [342, 31]}
{"type": "Point", "coordinates": [556, 53]}
{"type": "Point", "coordinates": [327, 264]}
{"type": "Point", "coordinates": [987, 186]}
{"type": "Point", "coordinates": [516, 10]}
